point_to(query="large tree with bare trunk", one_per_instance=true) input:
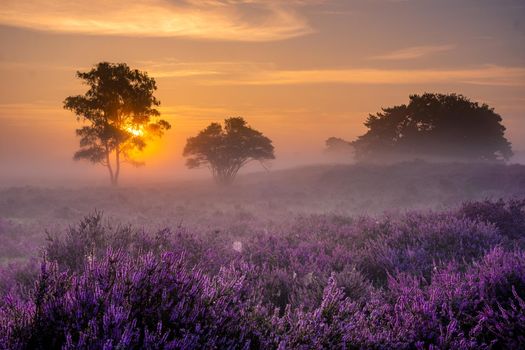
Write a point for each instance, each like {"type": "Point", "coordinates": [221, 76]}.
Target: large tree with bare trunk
{"type": "Point", "coordinates": [120, 113]}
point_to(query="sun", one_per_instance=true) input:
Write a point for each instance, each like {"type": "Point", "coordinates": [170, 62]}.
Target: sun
{"type": "Point", "coordinates": [135, 131]}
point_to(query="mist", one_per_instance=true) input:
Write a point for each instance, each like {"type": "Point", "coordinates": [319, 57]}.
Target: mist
{"type": "Point", "coordinates": [262, 174]}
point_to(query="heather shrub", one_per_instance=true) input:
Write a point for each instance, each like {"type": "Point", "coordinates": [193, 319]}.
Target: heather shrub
{"type": "Point", "coordinates": [417, 243]}
{"type": "Point", "coordinates": [123, 302]}
{"type": "Point", "coordinates": [451, 311]}
{"type": "Point", "coordinates": [480, 308]}
{"type": "Point", "coordinates": [14, 240]}
{"type": "Point", "coordinates": [93, 236]}
{"type": "Point", "coordinates": [507, 216]}
{"type": "Point", "coordinates": [322, 328]}
{"type": "Point", "coordinates": [18, 278]}
{"type": "Point", "coordinates": [294, 271]}
{"type": "Point", "coordinates": [361, 253]}
{"type": "Point", "coordinates": [420, 280]}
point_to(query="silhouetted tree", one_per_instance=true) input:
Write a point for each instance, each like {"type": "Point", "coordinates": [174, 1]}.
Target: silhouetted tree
{"type": "Point", "coordinates": [338, 146]}
{"type": "Point", "coordinates": [438, 125]}
{"type": "Point", "coordinates": [120, 110]}
{"type": "Point", "coordinates": [225, 151]}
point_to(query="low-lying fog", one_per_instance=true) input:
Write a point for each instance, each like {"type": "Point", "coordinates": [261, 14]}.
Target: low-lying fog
{"type": "Point", "coordinates": [263, 200]}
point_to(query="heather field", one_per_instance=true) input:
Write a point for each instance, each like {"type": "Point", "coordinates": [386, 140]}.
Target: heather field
{"type": "Point", "coordinates": [262, 174]}
{"type": "Point", "coordinates": [411, 255]}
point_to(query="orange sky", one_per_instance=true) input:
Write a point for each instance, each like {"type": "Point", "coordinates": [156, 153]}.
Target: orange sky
{"type": "Point", "coordinates": [298, 70]}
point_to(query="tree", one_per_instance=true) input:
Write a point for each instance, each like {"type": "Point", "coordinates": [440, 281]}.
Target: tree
{"type": "Point", "coordinates": [338, 147]}
{"type": "Point", "coordinates": [120, 110]}
{"type": "Point", "coordinates": [225, 151]}
{"type": "Point", "coordinates": [435, 125]}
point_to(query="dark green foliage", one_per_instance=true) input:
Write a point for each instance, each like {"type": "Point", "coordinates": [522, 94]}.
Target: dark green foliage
{"type": "Point", "coordinates": [225, 151]}
{"type": "Point", "coordinates": [336, 145]}
{"type": "Point", "coordinates": [435, 125]}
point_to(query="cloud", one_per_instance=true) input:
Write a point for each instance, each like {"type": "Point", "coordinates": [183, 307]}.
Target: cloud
{"type": "Point", "coordinates": [414, 52]}
{"type": "Point", "coordinates": [171, 68]}
{"type": "Point", "coordinates": [236, 20]}
{"type": "Point", "coordinates": [253, 73]}
{"type": "Point", "coordinates": [194, 113]}
{"type": "Point", "coordinates": [26, 108]}
{"type": "Point", "coordinates": [13, 66]}
{"type": "Point", "coordinates": [266, 73]}
{"type": "Point", "coordinates": [484, 75]}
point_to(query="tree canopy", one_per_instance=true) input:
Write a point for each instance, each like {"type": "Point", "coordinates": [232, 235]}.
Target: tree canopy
{"type": "Point", "coordinates": [121, 115]}
{"type": "Point", "coordinates": [338, 146]}
{"type": "Point", "coordinates": [226, 150]}
{"type": "Point", "coordinates": [435, 125]}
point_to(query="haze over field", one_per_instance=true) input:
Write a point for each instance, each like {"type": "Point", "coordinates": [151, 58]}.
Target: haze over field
{"type": "Point", "coordinates": [317, 174]}
{"type": "Point", "coordinates": [299, 71]}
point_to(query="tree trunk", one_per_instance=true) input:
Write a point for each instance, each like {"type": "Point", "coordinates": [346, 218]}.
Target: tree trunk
{"type": "Point", "coordinates": [110, 169]}
{"type": "Point", "coordinates": [117, 166]}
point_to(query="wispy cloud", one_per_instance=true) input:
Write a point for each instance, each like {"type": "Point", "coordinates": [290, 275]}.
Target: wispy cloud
{"type": "Point", "coordinates": [26, 108]}
{"type": "Point", "coordinates": [194, 113]}
{"type": "Point", "coordinates": [25, 113]}
{"type": "Point", "coordinates": [217, 73]}
{"type": "Point", "coordinates": [14, 66]}
{"type": "Point", "coordinates": [239, 20]}
{"type": "Point", "coordinates": [168, 68]}
{"type": "Point", "coordinates": [485, 75]}
{"type": "Point", "coordinates": [267, 73]}
{"type": "Point", "coordinates": [414, 52]}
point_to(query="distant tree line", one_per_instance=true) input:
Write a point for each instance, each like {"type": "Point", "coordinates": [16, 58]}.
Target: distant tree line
{"type": "Point", "coordinates": [438, 126]}
{"type": "Point", "coordinates": [338, 146]}
{"type": "Point", "coordinates": [120, 115]}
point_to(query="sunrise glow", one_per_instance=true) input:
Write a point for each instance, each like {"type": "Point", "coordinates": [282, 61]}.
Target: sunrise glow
{"type": "Point", "coordinates": [135, 131]}
{"type": "Point", "coordinates": [262, 174]}
{"type": "Point", "coordinates": [299, 71]}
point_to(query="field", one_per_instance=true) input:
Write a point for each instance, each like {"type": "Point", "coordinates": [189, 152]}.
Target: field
{"type": "Point", "coordinates": [411, 255]}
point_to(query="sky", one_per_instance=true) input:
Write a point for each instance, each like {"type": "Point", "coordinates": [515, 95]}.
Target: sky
{"type": "Point", "coordinates": [299, 71]}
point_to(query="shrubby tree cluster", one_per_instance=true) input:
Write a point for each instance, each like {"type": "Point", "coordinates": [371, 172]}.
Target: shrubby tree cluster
{"type": "Point", "coordinates": [338, 146]}
{"type": "Point", "coordinates": [226, 150]}
{"type": "Point", "coordinates": [437, 126]}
